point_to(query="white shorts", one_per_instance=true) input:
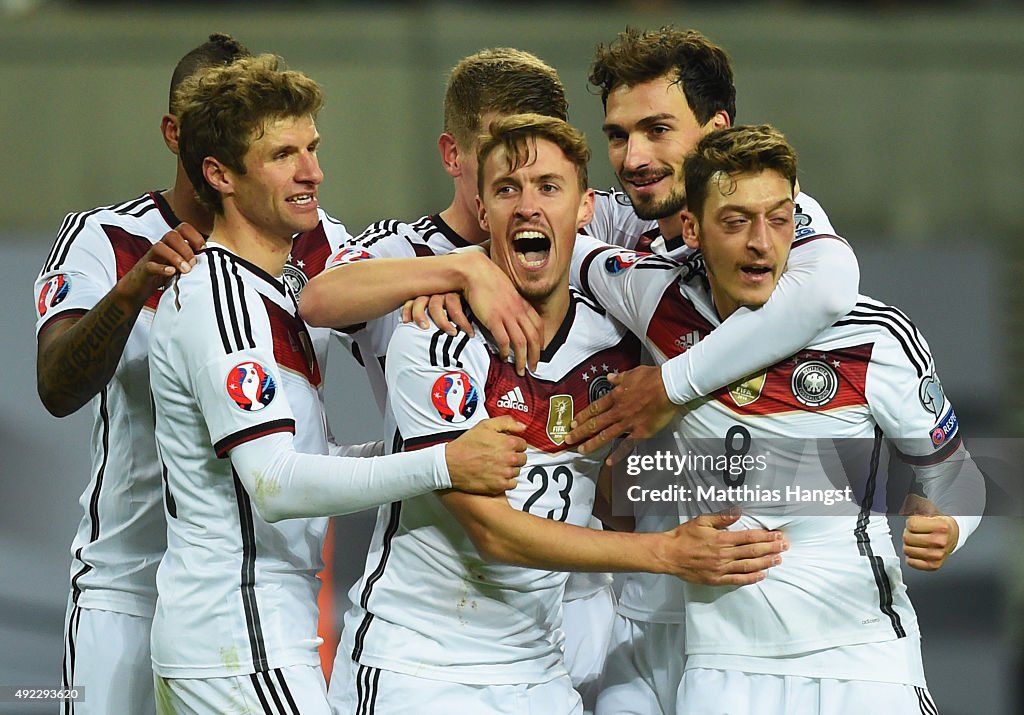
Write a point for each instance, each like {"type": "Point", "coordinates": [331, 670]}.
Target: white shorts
{"type": "Point", "coordinates": [107, 654]}
{"type": "Point", "coordinates": [294, 690]}
{"type": "Point", "coordinates": [361, 690]}
{"type": "Point", "coordinates": [733, 692]}
{"type": "Point", "coordinates": [587, 623]}
{"type": "Point", "coordinates": [644, 666]}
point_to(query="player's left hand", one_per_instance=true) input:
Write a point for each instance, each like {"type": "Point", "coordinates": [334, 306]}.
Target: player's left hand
{"type": "Point", "coordinates": [638, 407]}
{"type": "Point", "coordinates": [930, 536]}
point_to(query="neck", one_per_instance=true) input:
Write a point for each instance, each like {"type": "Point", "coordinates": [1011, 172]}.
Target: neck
{"type": "Point", "coordinates": [182, 200]}
{"type": "Point", "coordinates": [552, 311]}
{"type": "Point", "coordinates": [268, 252]}
{"type": "Point", "coordinates": [671, 226]}
{"type": "Point", "coordinates": [464, 222]}
{"type": "Point", "coordinates": [723, 304]}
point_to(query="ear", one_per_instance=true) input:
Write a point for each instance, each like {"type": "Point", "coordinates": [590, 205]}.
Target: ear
{"type": "Point", "coordinates": [449, 154]}
{"type": "Point", "coordinates": [691, 230]}
{"type": "Point", "coordinates": [169, 129]}
{"type": "Point", "coordinates": [481, 215]}
{"type": "Point", "coordinates": [720, 120]}
{"type": "Point", "coordinates": [586, 212]}
{"type": "Point", "coordinates": [218, 176]}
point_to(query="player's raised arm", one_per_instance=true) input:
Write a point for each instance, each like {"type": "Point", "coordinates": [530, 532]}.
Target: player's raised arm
{"type": "Point", "coordinates": [77, 353]}
{"type": "Point", "coordinates": [364, 290]}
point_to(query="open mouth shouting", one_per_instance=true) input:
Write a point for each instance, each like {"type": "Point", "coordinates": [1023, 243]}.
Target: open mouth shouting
{"type": "Point", "coordinates": [532, 248]}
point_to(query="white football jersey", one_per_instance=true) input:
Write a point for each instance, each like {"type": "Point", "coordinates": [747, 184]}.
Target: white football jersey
{"type": "Point", "coordinates": [869, 376]}
{"type": "Point", "coordinates": [615, 222]}
{"type": "Point", "coordinates": [651, 597]}
{"type": "Point", "coordinates": [428, 604]}
{"type": "Point", "coordinates": [230, 361]}
{"type": "Point", "coordinates": [427, 236]}
{"type": "Point", "coordinates": [122, 534]}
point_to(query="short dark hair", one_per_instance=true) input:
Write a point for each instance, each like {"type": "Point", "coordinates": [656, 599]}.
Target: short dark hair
{"type": "Point", "coordinates": [734, 150]}
{"type": "Point", "coordinates": [501, 80]}
{"type": "Point", "coordinates": [513, 133]}
{"type": "Point", "coordinates": [223, 109]}
{"type": "Point", "coordinates": [220, 49]}
{"type": "Point", "coordinates": [701, 67]}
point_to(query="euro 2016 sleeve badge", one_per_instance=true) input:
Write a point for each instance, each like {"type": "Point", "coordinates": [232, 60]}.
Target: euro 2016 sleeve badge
{"type": "Point", "coordinates": [53, 292]}
{"type": "Point", "coordinates": [454, 396]}
{"type": "Point", "coordinates": [250, 386]}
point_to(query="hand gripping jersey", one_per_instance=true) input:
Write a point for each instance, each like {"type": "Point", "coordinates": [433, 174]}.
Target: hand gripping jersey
{"type": "Point", "coordinates": [122, 534]}
{"type": "Point", "coordinates": [428, 604]}
{"type": "Point", "coordinates": [231, 362]}
{"type": "Point", "coordinates": [869, 376]}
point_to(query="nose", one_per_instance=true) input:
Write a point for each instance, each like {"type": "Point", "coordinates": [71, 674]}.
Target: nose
{"type": "Point", "coordinates": [309, 169]}
{"type": "Point", "coordinates": [527, 206]}
{"type": "Point", "coordinates": [638, 153]}
{"type": "Point", "coordinates": [757, 238]}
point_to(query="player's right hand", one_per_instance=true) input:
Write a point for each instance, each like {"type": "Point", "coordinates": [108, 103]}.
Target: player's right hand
{"type": "Point", "coordinates": [486, 459]}
{"type": "Point", "coordinates": [703, 550]}
{"type": "Point", "coordinates": [174, 253]}
{"type": "Point", "coordinates": [444, 309]}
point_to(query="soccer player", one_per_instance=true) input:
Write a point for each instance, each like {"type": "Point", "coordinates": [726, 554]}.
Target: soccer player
{"type": "Point", "coordinates": [436, 622]}
{"type": "Point", "coordinates": [831, 630]}
{"type": "Point", "coordinates": [95, 297]}
{"type": "Point", "coordinates": [487, 85]}
{"type": "Point", "coordinates": [662, 90]}
{"type": "Point", "coordinates": [239, 423]}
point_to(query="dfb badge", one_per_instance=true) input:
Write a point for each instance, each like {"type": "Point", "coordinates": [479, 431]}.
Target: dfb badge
{"type": "Point", "coordinates": [814, 383]}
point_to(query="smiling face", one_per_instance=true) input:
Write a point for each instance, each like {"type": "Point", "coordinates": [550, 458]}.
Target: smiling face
{"type": "Point", "coordinates": [650, 130]}
{"type": "Point", "coordinates": [745, 230]}
{"type": "Point", "coordinates": [277, 195]}
{"type": "Point", "coordinates": [532, 212]}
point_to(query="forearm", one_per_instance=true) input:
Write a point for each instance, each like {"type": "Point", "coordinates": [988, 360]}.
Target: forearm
{"type": "Point", "coordinates": [365, 290]}
{"type": "Point", "coordinates": [811, 295]}
{"type": "Point", "coordinates": [506, 535]}
{"type": "Point", "coordinates": [77, 357]}
{"type": "Point", "coordinates": [366, 449]}
{"type": "Point", "coordinates": [285, 484]}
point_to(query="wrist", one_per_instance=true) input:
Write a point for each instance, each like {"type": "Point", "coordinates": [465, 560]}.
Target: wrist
{"type": "Point", "coordinates": [134, 289]}
{"type": "Point", "coordinates": [668, 386]}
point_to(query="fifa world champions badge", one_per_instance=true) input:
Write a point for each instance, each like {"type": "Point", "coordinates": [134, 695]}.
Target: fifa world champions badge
{"type": "Point", "coordinates": [454, 396]}
{"type": "Point", "coordinates": [560, 415]}
{"type": "Point", "coordinates": [53, 292]}
{"type": "Point", "coordinates": [251, 386]}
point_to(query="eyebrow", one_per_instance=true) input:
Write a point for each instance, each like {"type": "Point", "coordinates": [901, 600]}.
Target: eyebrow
{"type": "Point", "coordinates": [744, 210]}
{"type": "Point", "coordinates": [648, 121]}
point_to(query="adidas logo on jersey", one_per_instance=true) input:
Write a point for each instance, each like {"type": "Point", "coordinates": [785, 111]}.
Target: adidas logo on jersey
{"type": "Point", "coordinates": [688, 341]}
{"type": "Point", "coordinates": [513, 400]}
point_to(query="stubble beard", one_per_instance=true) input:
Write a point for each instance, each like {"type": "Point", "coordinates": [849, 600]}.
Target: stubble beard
{"type": "Point", "coordinates": [654, 210]}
